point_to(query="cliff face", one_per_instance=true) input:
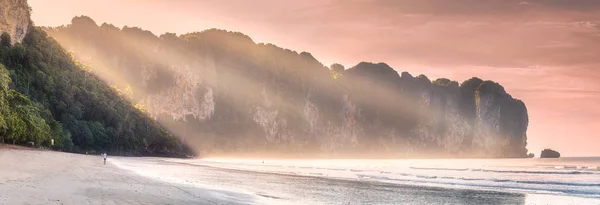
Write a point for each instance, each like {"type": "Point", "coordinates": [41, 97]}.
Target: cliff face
{"type": "Point", "coordinates": [501, 121]}
{"type": "Point", "coordinates": [222, 93]}
{"type": "Point", "coordinates": [14, 18]}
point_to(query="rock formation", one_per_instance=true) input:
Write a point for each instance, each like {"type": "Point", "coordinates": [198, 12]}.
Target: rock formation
{"type": "Point", "coordinates": [548, 153]}
{"type": "Point", "coordinates": [14, 18]}
{"type": "Point", "coordinates": [222, 93]}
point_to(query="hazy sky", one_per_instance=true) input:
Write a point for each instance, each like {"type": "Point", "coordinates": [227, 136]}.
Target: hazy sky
{"type": "Point", "coordinates": [544, 52]}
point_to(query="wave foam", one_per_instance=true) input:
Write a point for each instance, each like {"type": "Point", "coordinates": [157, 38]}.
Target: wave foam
{"type": "Point", "coordinates": [440, 168]}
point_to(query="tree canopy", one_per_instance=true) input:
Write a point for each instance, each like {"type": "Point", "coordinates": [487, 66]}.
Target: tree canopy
{"type": "Point", "coordinates": [46, 94]}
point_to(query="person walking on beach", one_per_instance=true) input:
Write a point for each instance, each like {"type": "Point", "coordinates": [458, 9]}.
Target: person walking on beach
{"type": "Point", "coordinates": [104, 158]}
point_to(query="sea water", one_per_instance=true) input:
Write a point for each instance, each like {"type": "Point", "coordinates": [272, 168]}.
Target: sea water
{"type": "Point", "coordinates": [540, 181]}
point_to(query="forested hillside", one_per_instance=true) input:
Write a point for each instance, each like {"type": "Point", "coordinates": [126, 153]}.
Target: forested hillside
{"type": "Point", "coordinates": [50, 95]}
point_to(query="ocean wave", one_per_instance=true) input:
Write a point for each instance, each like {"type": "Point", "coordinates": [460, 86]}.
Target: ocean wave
{"type": "Point", "coordinates": [363, 176]}
{"type": "Point", "coordinates": [593, 168]}
{"type": "Point", "coordinates": [590, 168]}
{"type": "Point", "coordinates": [480, 179]}
{"type": "Point", "coordinates": [569, 188]}
{"type": "Point", "coordinates": [530, 172]}
{"type": "Point", "coordinates": [287, 173]}
{"type": "Point", "coordinates": [560, 183]}
{"type": "Point", "coordinates": [566, 167]}
{"type": "Point", "coordinates": [504, 171]}
{"type": "Point", "coordinates": [440, 168]}
{"type": "Point", "coordinates": [471, 179]}
{"type": "Point", "coordinates": [426, 177]}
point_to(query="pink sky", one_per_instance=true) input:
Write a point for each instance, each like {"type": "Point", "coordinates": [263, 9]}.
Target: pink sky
{"type": "Point", "coordinates": [546, 53]}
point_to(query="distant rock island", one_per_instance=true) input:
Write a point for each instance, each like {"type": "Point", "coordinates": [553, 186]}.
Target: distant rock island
{"type": "Point", "coordinates": [548, 153]}
{"type": "Point", "coordinates": [531, 155]}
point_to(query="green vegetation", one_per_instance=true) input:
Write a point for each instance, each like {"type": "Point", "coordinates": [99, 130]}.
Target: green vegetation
{"type": "Point", "coordinates": [45, 94]}
{"type": "Point", "coordinates": [5, 40]}
{"type": "Point", "coordinates": [336, 70]}
{"type": "Point", "coordinates": [20, 120]}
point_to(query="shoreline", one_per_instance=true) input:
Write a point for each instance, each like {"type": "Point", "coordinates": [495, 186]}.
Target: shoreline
{"type": "Point", "coordinates": [303, 185]}
{"type": "Point", "coordinates": [446, 186]}
{"type": "Point", "coordinates": [32, 176]}
{"type": "Point", "coordinates": [279, 156]}
{"type": "Point", "coordinates": [303, 188]}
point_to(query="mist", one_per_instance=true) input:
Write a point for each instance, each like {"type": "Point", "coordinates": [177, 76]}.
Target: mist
{"type": "Point", "coordinates": [222, 94]}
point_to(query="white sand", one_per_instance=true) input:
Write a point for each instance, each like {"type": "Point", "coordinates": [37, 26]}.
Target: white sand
{"type": "Point", "coordinates": [47, 177]}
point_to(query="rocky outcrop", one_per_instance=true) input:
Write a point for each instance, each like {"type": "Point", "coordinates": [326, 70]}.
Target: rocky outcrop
{"type": "Point", "coordinates": [222, 93]}
{"type": "Point", "coordinates": [548, 153]}
{"type": "Point", "coordinates": [501, 121]}
{"type": "Point", "coordinates": [14, 19]}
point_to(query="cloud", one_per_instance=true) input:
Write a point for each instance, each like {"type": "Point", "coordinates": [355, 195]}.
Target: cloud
{"type": "Point", "coordinates": [474, 7]}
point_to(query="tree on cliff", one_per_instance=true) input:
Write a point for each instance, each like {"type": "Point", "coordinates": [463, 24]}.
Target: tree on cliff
{"type": "Point", "coordinates": [5, 39]}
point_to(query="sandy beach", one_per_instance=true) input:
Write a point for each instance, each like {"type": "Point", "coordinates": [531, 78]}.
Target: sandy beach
{"type": "Point", "coordinates": [47, 177]}
{"type": "Point", "coordinates": [30, 176]}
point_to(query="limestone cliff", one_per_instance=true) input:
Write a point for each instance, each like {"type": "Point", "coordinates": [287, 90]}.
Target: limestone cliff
{"type": "Point", "coordinates": [14, 18]}
{"type": "Point", "coordinates": [222, 93]}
